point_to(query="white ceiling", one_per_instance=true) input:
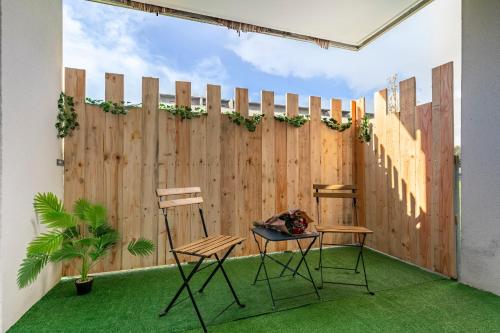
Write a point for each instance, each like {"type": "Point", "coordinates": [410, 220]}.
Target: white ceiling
{"type": "Point", "coordinates": [346, 21]}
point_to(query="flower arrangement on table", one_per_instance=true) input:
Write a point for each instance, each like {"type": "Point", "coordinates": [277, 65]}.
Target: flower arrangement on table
{"type": "Point", "coordinates": [291, 222]}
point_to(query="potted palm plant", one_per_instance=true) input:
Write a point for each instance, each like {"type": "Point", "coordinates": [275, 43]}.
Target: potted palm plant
{"type": "Point", "coordinates": [83, 235]}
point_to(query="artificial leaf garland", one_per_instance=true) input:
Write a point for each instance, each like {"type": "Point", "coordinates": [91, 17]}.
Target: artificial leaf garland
{"type": "Point", "coordinates": [250, 123]}
{"type": "Point", "coordinates": [66, 116]}
{"type": "Point", "coordinates": [112, 107]}
{"type": "Point", "coordinates": [295, 121]}
{"type": "Point", "coordinates": [184, 112]}
{"type": "Point", "coordinates": [333, 124]}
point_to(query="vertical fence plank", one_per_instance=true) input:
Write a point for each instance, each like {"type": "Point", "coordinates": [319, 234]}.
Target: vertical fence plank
{"type": "Point", "coordinates": [347, 170]}
{"type": "Point", "coordinates": [393, 187]}
{"type": "Point", "coordinates": [132, 184]}
{"type": "Point", "coordinates": [183, 223]}
{"type": "Point", "coordinates": [315, 147]}
{"type": "Point", "coordinates": [249, 169]}
{"type": "Point", "coordinates": [113, 150]}
{"type": "Point", "coordinates": [149, 206]}
{"type": "Point", "coordinates": [423, 120]}
{"type": "Point", "coordinates": [213, 151]}
{"type": "Point", "coordinates": [407, 90]}
{"type": "Point", "coordinates": [360, 162]}
{"type": "Point", "coordinates": [198, 170]}
{"type": "Point", "coordinates": [380, 186]}
{"type": "Point", "coordinates": [442, 169]}
{"type": "Point", "coordinates": [167, 159]}
{"type": "Point", "coordinates": [268, 160]}
{"type": "Point", "coordinates": [229, 170]}
{"type": "Point", "coordinates": [74, 148]}
{"type": "Point", "coordinates": [292, 156]}
{"type": "Point", "coordinates": [280, 153]}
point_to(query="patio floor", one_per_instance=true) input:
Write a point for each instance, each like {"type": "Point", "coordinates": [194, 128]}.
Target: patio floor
{"type": "Point", "coordinates": [407, 298]}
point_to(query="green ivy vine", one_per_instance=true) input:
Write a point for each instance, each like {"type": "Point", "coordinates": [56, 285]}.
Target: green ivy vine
{"type": "Point", "coordinates": [250, 123]}
{"type": "Point", "coordinates": [295, 121]}
{"type": "Point", "coordinates": [66, 116]}
{"type": "Point", "coordinates": [335, 125]}
{"type": "Point", "coordinates": [112, 107]}
{"type": "Point", "coordinates": [184, 112]}
{"type": "Point", "coordinates": [364, 130]}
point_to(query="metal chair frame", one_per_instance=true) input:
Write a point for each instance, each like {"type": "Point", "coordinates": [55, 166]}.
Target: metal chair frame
{"type": "Point", "coordinates": [187, 277]}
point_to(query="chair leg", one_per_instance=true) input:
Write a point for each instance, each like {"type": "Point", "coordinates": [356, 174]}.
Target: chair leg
{"type": "Point", "coordinates": [186, 285]}
{"type": "Point", "coordinates": [320, 262]}
{"type": "Point", "coordinates": [363, 264]}
{"type": "Point", "coordinates": [359, 253]}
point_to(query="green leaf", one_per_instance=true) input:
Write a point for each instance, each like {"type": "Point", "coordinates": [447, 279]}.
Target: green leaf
{"type": "Point", "coordinates": [58, 220]}
{"type": "Point", "coordinates": [46, 243]}
{"type": "Point", "coordinates": [93, 215]}
{"type": "Point", "coordinates": [66, 252]}
{"type": "Point", "coordinates": [51, 211]}
{"type": "Point", "coordinates": [47, 202]}
{"type": "Point", "coordinates": [31, 266]}
{"type": "Point", "coordinates": [141, 247]}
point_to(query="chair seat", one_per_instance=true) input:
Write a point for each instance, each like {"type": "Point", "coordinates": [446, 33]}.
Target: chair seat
{"type": "Point", "coordinates": [208, 246]}
{"type": "Point", "coordinates": [339, 228]}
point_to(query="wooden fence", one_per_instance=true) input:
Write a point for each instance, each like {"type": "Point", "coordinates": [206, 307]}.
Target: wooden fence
{"type": "Point", "coordinates": [408, 176]}
{"type": "Point", "coordinates": [405, 173]}
{"type": "Point", "coordinates": [120, 160]}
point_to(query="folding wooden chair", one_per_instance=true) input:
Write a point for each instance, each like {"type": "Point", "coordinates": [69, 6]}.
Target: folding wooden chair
{"type": "Point", "coordinates": [341, 192]}
{"type": "Point", "coordinates": [203, 248]}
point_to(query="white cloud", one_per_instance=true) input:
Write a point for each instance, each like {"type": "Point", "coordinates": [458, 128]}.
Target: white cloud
{"type": "Point", "coordinates": [104, 39]}
{"type": "Point", "coordinates": [428, 39]}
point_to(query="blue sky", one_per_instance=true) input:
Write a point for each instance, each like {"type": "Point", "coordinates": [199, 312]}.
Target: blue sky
{"type": "Point", "coordinates": [101, 38]}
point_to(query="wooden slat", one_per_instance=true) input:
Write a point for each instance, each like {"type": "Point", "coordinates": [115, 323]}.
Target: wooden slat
{"type": "Point", "coordinates": [213, 164]}
{"type": "Point", "coordinates": [347, 171]}
{"type": "Point", "coordinates": [424, 186]}
{"type": "Point", "coordinates": [249, 190]}
{"type": "Point", "coordinates": [74, 148]}
{"type": "Point", "coordinates": [334, 187]}
{"type": "Point", "coordinates": [149, 208]}
{"type": "Point", "coordinates": [197, 242]}
{"type": "Point", "coordinates": [268, 159]}
{"type": "Point", "coordinates": [336, 167]}
{"type": "Point", "coordinates": [223, 247]}
{"type": "Point", "coordinates": [166, 178]}
{"type": "Point", "coordinates": [334, 195]}
{"type": "Point", "coordinates": [94, 159]}
{"type": "Point", "coordinates": [177, 191]}
{"type": "Point", "coordinates": [315, 144]}
{"type": "Point", "coordinates": [180, 202]}
{"type": "Point", "coordinates": [292, 155]}
{"type": "Point", "coordinates": [360, 175]}
{"type": "Point", "coordinates": [280, 155]}
{"type": "Point", "coordinates": [132, 183]}
{"type": "Point", "coordinates": [182, 216]}
{"type": "Point", "coordinates": [113, 167]}
{"type": "Point", "coordinates": [442, 197]}
{"type": "Point", "coordinates": [380, 186]}
{"type": "Point", "coordinates": [340, 228]}
{"type": "Point", "coordinates": [393, 183]}
{"type": "Point", "coordinates": [407, 90]}
{"type": "Point", "coordinates": [198, 168]}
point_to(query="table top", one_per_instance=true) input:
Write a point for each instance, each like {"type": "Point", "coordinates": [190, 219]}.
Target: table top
{"type": "Point", "coordinates": [276, 236]}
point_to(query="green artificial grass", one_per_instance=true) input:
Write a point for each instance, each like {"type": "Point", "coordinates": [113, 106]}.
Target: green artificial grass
{"type": "Point", "coordinates": [407, 299]}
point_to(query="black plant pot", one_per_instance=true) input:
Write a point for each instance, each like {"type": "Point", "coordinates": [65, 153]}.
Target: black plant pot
{"type": "Point", "coordinates": [84, 287]}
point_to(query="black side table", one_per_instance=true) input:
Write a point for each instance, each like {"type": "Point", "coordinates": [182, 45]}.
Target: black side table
{"type": "Point", "coordinates": [275, 236]}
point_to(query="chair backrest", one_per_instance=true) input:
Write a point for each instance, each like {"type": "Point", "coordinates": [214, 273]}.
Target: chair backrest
{"type": "Point", "coordinates": [338, 191]}
{"type": "Point", "coordinates": [192, 197]}
{"type": "Point", "coordinates": [165, 203]}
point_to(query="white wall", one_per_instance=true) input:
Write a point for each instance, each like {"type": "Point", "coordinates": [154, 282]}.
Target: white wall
{"type": "Point", "coordinates": [480, 253]}
{"type": "Point", "coordinates": [31, 72]}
